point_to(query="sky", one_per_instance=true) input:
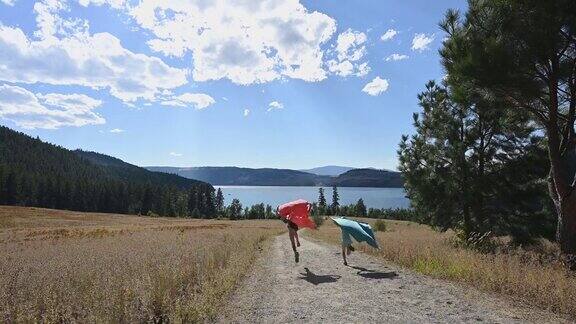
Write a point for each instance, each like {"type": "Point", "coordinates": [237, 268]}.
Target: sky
{"type": "Point", "coordinates": [272, 83]}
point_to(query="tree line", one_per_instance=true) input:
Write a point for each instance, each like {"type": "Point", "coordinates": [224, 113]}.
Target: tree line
{"type": "Point", "coordinates": [34, 173]}
{"type": "Point", "coordinates": [495, 145]}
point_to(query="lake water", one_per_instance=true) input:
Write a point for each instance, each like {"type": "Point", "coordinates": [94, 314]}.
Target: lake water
{"type": "Point", "coordinates": [274, 196]}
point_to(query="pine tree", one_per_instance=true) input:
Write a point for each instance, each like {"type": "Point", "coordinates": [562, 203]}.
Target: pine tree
{"type": "Point", "coordinates": [269, 212]}
{"type": "Point", "coordinates": [321, 201]}
{"type": "Point", "coordinates": [466, 156]}
{"type": "Point", "coordinates": [219, 201]}
{"type": "Point", "coordinates": [360, 208]}
{"type": "Point", "coordinates": [523, 52]}
{"type": "Point", "coordinates": [235, 209]}
{"type": "Point", "coordinates": [335, 201]}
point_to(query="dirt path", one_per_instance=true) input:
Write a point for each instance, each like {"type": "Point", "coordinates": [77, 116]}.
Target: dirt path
{"type": "Point", "coordinates": [321, 289]}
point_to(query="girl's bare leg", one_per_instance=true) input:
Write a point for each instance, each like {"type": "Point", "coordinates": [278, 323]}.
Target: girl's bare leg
{"type": "Point", "coordinates": [291, 235]}
{"type": "Point", "coordinates": [297, 239]}
{"type": "Point", "coordinates": [344, 251]}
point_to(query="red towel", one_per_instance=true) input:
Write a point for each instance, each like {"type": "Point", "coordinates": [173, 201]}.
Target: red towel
{"type": "Point", "coordinates": [298, 212]}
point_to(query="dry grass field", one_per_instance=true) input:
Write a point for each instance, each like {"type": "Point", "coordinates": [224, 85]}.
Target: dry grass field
{"type": "Point", "coordinates": [529, 276]}
{"type": "Point", "coordinates": [58, 266]}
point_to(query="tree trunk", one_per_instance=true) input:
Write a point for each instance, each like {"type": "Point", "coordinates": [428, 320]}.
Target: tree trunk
{"type": "Point", "coordinates": [565, 201]}
{"type": "Point", "coordinates": [566, 230]}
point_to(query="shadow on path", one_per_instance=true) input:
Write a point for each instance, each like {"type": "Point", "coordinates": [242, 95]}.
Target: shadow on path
{"type": "Point", "coordinates": [315, 279]}
{"type": "Point", "coordinates": [373, 274]}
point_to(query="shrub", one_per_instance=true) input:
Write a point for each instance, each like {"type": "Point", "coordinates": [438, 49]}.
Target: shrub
{"type": "Point", "coordinates": [318, 220]}
{"type": "Point", "coordinates": [380, 226]}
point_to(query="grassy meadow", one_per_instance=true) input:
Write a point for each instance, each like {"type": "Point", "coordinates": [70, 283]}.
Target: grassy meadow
{"type": "Point", "coordinates": [531, 276]}
{"type": "Point", "coordinates": [59, 266]}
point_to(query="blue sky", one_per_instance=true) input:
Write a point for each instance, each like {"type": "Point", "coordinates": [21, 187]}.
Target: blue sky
{"type": "Point", "coordinates": [272, 83]}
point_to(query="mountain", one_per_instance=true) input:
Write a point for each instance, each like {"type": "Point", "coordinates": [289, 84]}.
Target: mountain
{"type": "Point", "coordinates": [329, 170]}
{"type": "Point", "coordinates": [130, 172]}
{"type": "Point", "coordinates": [369, 178]}
{"type": "Point", "coordinates": [39, 174]}
{"type": "Point", "coordinates": [286, 177]}
{"type": "Point", "coordinates": [234, 176]}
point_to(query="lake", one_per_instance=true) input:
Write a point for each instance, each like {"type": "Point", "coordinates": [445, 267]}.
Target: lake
{"type": "Point", "coordinates": [276, 195]}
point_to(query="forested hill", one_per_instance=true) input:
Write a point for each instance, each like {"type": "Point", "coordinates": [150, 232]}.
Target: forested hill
{"type": "Point", "coordinates": [369, 178]}
{"type": "Point", "coordinates": [286, 177]}
{"type": "Point", "coordinates": [245, 176]}
{"type": "Point", "coordinates": [130, 172]}
{"type": "Point", "coordinates": [35, 173]}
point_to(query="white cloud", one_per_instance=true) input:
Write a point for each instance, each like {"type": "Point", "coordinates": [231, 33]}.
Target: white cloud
{"type": "Point", "coordinates": [389, 34]}
{"type": "Point", "coordinates": [8, 2]}
{"type": "Point", "coordinates": [275, 105]}
{"type": "Point", "coordinates": [421, 42]}
{"type": "Point", "coordinates": [244, 41]}
{"type": "Point", "coordinates": [350, 49]}
{"type": "Point", "coordinates": [396, 57]}
{"type": "Point", "coordinates": [50, 111]}
{"type": "Point", "coordinates": [175, 154]}
{"type": "Point", "coordinates": [344, 68]}
{"type": "Point", "coordinates": [65, 53]}
{"type": "Point", "coordinates": [197, 100]}
{"type": "Point", "coordinates": [246, 112]}
{"type": "Point", "coordinates": [117, 131]}
{"type": "Point", "coordinates": [112, 3]}
{"type": "Point", "coordinates": [350, 45]}
{"type": "Point", "coordinates": [376, 86]}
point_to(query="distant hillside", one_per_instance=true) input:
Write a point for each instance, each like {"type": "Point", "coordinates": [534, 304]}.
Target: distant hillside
{"type": "Point", "coordinates": [369, 178]}
{"type": "Point", "coordinates": [285, 177]}
{"type": "Point", "coordinates": [39, 174]}
{"type": "Point", "coordinates": [130, 172]}
{"type": "Point", "coordinates": [329, 170]}
{"type": "Point", "coordinates": [233, 176]}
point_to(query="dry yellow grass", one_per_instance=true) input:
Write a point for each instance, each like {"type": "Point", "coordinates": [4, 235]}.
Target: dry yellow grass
{"type": "Point", "coordinates": [520, 274]}
{"type": "Point", "coordinates": [76, 267]}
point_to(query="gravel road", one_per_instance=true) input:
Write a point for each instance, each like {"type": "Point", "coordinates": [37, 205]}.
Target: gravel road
{"type": "Point", "coordinates": [321, 289]}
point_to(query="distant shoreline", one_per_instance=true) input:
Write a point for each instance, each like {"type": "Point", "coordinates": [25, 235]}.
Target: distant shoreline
{"type": "Point", "coordinates": [302, 186]}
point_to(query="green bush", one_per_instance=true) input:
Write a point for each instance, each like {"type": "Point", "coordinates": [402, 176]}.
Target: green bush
{"type": "Point", "coordinates": [318, 219]}
{"type": "Point", "coordinates": [380, 226]}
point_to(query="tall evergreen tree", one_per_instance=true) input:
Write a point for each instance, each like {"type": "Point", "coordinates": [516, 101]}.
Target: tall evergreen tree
{"type": "Point", "coordinates": [525, 53]}
{"type": "Point", "coordinates": [463, 168]}
{"type": "Point", "coordinates": [335, 201]}
{"type": "Point", "coordinates": [219, 201]}
{"type": "Point", "coordinates": [322, 206]}
{"type": "Point", "coordinates": [235, 209]}
{"type": "Point", "coordinates": [360, 208]}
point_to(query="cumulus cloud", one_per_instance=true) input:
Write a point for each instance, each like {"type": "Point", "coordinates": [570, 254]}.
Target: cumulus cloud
{"type": "Point", "coordinates": [350, 45]}
{"type": "Point", "coordinates": [50, 111]}
{"type": "Point", "coordinates": [65, 53]}
{"type": "Point", "coordinates": [421, 42]}
{"type": "Point", "coordinates": [196, 100]}
{"type": "Point", "coordinates": [275, 105]}
{"type": "Point", "coordinates": [376, 86]}
{"type": "Point", "coordinates": [350, 48]}
{"type": "Point", "coordinates": [8, 2]}
{"type": "Point", "coordinates": [244, 41]}
{"type": "Point", "coordinates": [396, 57]}
{"type": "Point", "coordinates": [389, 34]}
{"type": "Point", "coordinates": [112, 3]}
{"type": "Point", "coordinates": [117, 131]}
{"type": "Point", "coordinates": [246, 112]}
